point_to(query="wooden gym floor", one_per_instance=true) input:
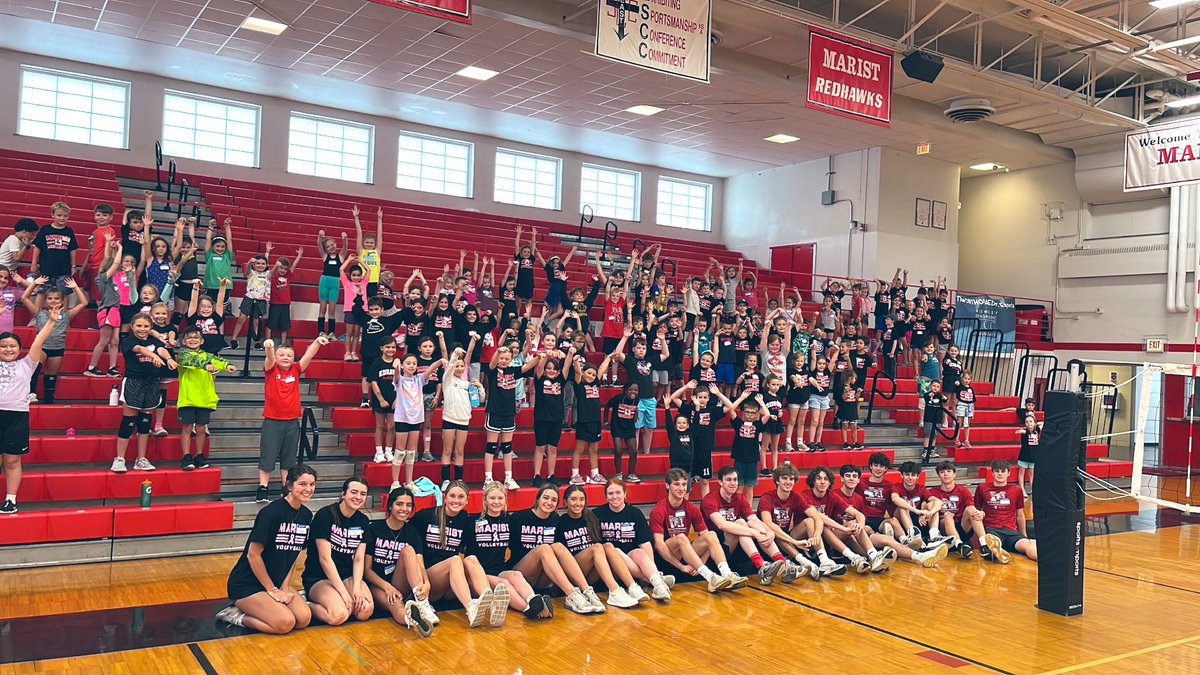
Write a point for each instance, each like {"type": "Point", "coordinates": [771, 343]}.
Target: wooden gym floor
{"type": "Point", "coordinates": [1141, 603]}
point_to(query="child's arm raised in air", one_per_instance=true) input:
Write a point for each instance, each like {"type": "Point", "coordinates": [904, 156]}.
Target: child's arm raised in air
{"type": "Point", "coordinates": [731, 407]}
{"type": "Point", "coordinates": [296, 261]}
{"type": "Point", "coordinates": [208, 234]}
{"type": "Point", "coordinates": [379, 233]}
{"type": "Point", "coordinates": [219, 308]}
{"type": "Point", "coordinates": [517, 243]}
{"type": "Point", "coordinates": [29, 290]}
{"type": "Point", "coordinates": [599, 270]}
{"type": "Point", "coordinates": [35, 350]}
{"type": "Point", "coordinates": [676, 396]}
{"type": "Point", "coordinates": [229, 235]}
{"type": "Point", "coordinates": [81, 299]}
{"type": "Point", "coordinates": [567, 258]}
{"type": "Point", "coordinates": [357, 229]}
{"type": "Point", "coordinates": [311, 352]}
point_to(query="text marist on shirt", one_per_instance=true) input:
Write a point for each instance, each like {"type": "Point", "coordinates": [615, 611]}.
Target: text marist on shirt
{"type": "Point", "coordinates": [536, 535]}
{"type": "Point", "coordinates": [387, 551]}
{"type": "Point", "coordinates": [620, 533]}
{"type": "Point", "coordinates": [454, 538]}
{"type": "Point", "coordinates": [345, 540]}
{"type": "Point", "coordinates": [291, 537]}
{"type": "Point", "coordinates": [491, 535]}
{"type": "Point", "coordinates": [576, 539]}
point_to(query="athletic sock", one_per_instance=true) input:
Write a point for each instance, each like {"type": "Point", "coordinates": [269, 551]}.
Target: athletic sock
{"type": "Point", "coordinates": [595, 471]}
{"type": "Point", "coordinates": [801, 560]}
{"type": "Point", "coordinates": [824, 557]}
{"type": "Point", "coordinates": [487, 477]}
{"type": "Point", "coordinates": [379, 448]}
{"type": "Point", "coordinates": [848, 553]}
{"type": "Point", "coordinates": [934, 533]}
{"type": "Point", "coordinates": [428, 442]}
{"type": "Point", "coordinates": [756, 560]}
{"type": "Point", "coordinates": [507, 475]}
{"type": "Point", "coordinates": [11, 498]}
{"type": "Point", "coordinates": [705, 573]}
{"type": "Point", "coordinates": [871, 551]}
{"type": "Point", "coordinates": [723, 568]}
{"type": "Point", "coordinates": [777, 557]}
{"type": "Point", "coordinates": [574, 472]}
{"type": "Point", "coordinates": [331, 323]}
{"type": "Point", "coordinates": [320, 324]}
{"type": "Point", "coordinates": [445, 472]}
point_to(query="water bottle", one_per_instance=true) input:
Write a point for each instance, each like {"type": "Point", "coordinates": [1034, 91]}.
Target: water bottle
{"type": "Point", "coordinates": [473, 395]}
{"type": "Point", "coordinates": [71, 433]}
{"type": "Point", "coordinates": [114, 397]}
{"type": "Point", "coordinates": [787, 461]}
{"type": "Point", "coordinates": [147, 488]}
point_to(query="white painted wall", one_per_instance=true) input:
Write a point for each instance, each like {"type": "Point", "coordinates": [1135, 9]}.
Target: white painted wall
{"type": "Point", "coordinates": [146, 123]}
{"type": "Point", "coordinates": [925, 252]}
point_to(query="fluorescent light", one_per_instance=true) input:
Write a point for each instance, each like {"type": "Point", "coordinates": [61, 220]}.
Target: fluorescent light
{"type": "Point", "coordinates": [645, 110]}
{"type": "Point", "coordinates": [781, 138]}
{"type": "Point", "coordinates": [477, 73]}
{"type": "Point", "coordinates": [1184, 102]}
{"type": "Point", "coordinates": [264, 25]}
{"type": "Point", "coordinates": [988, 166]}
{"type": "Point", "coordinates": [1165, 4]}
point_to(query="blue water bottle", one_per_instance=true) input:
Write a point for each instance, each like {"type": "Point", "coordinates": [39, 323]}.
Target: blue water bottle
{"type": "Point", "coordinates": [473, 394]}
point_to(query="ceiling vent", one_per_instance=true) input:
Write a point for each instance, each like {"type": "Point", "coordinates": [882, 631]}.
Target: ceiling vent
{"type": "Point", "coordinates": [969, 110]}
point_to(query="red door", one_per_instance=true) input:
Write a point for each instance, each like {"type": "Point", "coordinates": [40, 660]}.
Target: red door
{"type": "Point", "coordinates": [798, 259]}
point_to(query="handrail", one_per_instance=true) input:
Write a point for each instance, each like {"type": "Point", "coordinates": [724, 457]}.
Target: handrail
{"type": "Point", "coordinates": [308, 426]}
{"type": "Point", "coordinates": [875, 392]}
{"type": "Point", "coordinates": [585, 217]}
{"type": "Point", "coordinates": [184, 190]}
{"type": "Point", "coordinates": [674, 276]}
{"type": "Point", "coordinates": [611, 231]}
{"type": "Point", "coordinates": [170, 176]}
{"type": "Point", "coordinates": [158, 165]}
{"type": "Point", "coordinates": [251, 336]}
{"type": "Point", "coordinates": [637, 245]}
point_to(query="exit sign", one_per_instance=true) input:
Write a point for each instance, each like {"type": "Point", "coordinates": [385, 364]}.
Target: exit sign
{"type": "Point", "coordinates": [1156, 345]}
{"type": "Point", "coordinates": [924, 148]}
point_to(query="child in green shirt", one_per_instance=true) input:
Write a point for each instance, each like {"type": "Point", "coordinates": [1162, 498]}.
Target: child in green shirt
{"type": "Point", "coordinates": [197, 395]}
{"type": "Point", "coordinates": [218, 259]}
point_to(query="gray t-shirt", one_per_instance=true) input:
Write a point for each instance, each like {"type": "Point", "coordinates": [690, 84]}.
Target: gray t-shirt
{"type": "Point", "coordinates": [14, 384]}
{"type": "Point", "coordinates": [58, 335]}
{"type": "Point", "coordinates": [9, 251]}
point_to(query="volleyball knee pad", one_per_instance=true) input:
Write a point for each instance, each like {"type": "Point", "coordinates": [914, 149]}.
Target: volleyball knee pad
{"type": "Point", "coordinates": [143, 422]}
{"type": "Point", "coordinates": [491, 448]}
{"type": "Point", "coordinates": [505, 449]}
{"type": "Point", "coordinates": [410, 456]}
{"type": "Point", "coordinates": [128, 424]}
{"type": "Point", "coordinates": [966, 423]}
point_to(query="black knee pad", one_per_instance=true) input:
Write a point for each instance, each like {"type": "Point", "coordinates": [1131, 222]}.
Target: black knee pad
{"type": "Point", "coordinates": [505, 449]}
{"type": "Point", "coordinates": [491, 448]}
{"type": "Point", "coordinates": [143, 422]}
{"type": "Point", "coordinates": [128, 424]}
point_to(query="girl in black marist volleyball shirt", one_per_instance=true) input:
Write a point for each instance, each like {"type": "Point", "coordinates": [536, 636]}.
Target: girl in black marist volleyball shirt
{"type": "Point", "coordinates": [535, 554]}
{"type": "Point", "coordinates": [393, 571]}
{"type": "Point", "coordinates": [339, 537]}
{"type": "Point", "coordinates": [441, 537]}
{"type": "Point", "coordinates": [487, 545]}
{"type": "Point", "coordinates": [260, 582]}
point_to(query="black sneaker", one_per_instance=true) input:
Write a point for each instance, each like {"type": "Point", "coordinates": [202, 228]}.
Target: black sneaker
{"type": "Point", "coordinates": [536, 607]}
{"type": "Point", "coordinates": [93, 371]}
{"type": "Point", "coordinates": [114, 372]}
{"type": "Point", "coordinates": [186, 463]}
{"type": "Point", "coordinates": [857, 446]}
{"type": "Point", "coordinates": [765, 473]}
{"type": "Point", "coordinates": [263, 495]}
{"type": "Point", "coordinates": [233, 344]}
{"type": "Point", "coordinates": [537, 481]}
{"type": "Point", "coordinates": [8, 507]}
{"type": "Point", "coordinates": [965, 550]}
{"type": "Point", "coordinates": [201, 461]}
{"type": "Point", "coordinates": [548, 612]}
{"type": "Point", "coordinates": [985, 553]}
{"type": "Point", "coordinates": [553, 480]}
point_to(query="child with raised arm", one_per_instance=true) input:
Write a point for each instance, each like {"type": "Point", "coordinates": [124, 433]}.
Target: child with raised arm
{"type": "Point", "coordinates": [93, 270]}
{"type": "Point", "coordinates": [218, 265]}
{"type": "Point", "coordinates": [501, 419]}
{"type": "Point", "coordinates": [16, 373]}
{"type": "Point", "coordinates": [556, 277]}
{"type": "Point", "coordinates": [209, 315]}
{"type": "Point", "coordinates": [279, 314]}
{"type": "Point", "coordinates": [54, 346]}
{"type": "Point", "coordinates": [116, 283]}
{"type": "Point", "coordinates": [254, 302]}
{"type": "Point", "coordinates": [197, 395]}
{"type": "Point", "coordinates": [354, 304]}
{"type": "Point", "coordinates": [280, 437]}
{"type": "Point", "coordinates": [380, 376]}
{"type": "Point", "coordinates": [587, 417]}
{"type": "Point", "coordinates": [369, 248]}
{"type": "Point", "coordinates": [330, 283]}
{"type": "Point", "coordinates": [140, 393]}
{"type": "Point", "coordinates": [187, 269]}
{"type": "Point", "coordinates": [456, 409]}
{"type": "Point", "coordinates": [524, 260]}
{"type": "Point", "coordinates": [410, 414]}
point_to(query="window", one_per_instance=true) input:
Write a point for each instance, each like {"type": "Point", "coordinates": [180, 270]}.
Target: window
{"type": "Point", "coordinates": [612, 193]}
{"type": "Point", "coordinates": [329, 148]}
{"type": "Point", "coordinates": [527, 180]}
{"type": "Point", "coordinates": [431, 164]}
{"type": "Point", "coordinates": [71, 107]}
{"type": "Point", "coordinates": [210, 129]}
{"type": "Point", "coordinates": [683, 203]}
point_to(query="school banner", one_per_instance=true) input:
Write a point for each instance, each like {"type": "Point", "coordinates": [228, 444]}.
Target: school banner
{"type": "Point", "coordinates": [452, 10]}
{"type": "Point", "coordinates": [1162, 155]}
{"type": "Point", "coordinates": [849, 78]}
{"type": "Point", "coordinates": [667, 36]}
{"type": "Point", "coordinates": [993, 314]}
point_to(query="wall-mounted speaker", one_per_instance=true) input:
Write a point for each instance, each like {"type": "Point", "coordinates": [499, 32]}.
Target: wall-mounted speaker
{"type": "Point", "coordinates": [922, 66]}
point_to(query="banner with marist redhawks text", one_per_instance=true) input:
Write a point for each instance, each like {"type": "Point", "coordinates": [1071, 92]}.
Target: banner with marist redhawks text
{"type": "Point", "coordinates": [849, 78]}
{"type": "Point", "coordinates": [1162, 155]}
{"type": "Point", "coordinates": [452, 10]}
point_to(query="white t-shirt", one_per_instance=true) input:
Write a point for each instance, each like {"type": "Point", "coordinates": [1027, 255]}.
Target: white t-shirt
{"type": "Point", "coordinates": [10, 252]}
{"type": "Point", "coordinates": [14, 384]}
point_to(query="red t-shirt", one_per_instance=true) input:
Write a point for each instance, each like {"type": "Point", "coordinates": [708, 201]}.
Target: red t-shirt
{"type": "Point", "coordinates": [832, 504]}
{"type": "Point", "coordinates": [736, 507]}
{"type": "Point", "coordinates": [877, 498]}
{"type": "Point", "coordinates": [96, 257]}
{"type": "Point", "coordinates": [281, 288]}
{"type": "Point", "coordinates": [856, 501]}
{"type": "Point", "coordinates": [915, 496]}
{"type": "Point", "coordinates": [784, 512]}
{"type": "Point", "coordinates": [999, 505]}
{"type": "Point", "coordinates": [282, 400]}
{"type": "Point", "coordinates": [953, 501]}
{"type": "Point", "coordinates": [614, 320]}
{"type": "Point", "coordinates": [670, 521]}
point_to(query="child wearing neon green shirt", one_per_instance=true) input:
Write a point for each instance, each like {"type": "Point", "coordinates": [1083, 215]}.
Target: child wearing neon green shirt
{"type": "Point", "coordinates": [197, 395]}
{"type": "Point", "coordinates": [369, 247]}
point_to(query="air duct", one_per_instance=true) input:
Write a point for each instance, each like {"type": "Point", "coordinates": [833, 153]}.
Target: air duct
{"type": "Point", "coordinates": [1100, 179]}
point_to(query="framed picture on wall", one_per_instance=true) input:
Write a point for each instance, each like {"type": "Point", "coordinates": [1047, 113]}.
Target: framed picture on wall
{"type": "Point", "coordinates": [939, 215]}
{"type": "Point", "coordinates": [923, 212]}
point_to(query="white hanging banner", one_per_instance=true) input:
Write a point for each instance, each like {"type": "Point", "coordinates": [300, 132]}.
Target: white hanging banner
{"type": "Point", "coordinates": [668, 36]}
{"type": "Point", "coordinates": [1162, 156]}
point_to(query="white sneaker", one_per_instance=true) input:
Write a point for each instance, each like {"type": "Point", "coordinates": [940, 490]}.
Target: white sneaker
{"type": "Point", "coordinates": [801, 446]}
{"type": "Point", "coordinates": [577, 602]}
{"type": "Point", "coordinates": [231, 615]}
{"type": "Point", "coordinates": [832, 569]}
{"type": "Point", "coordinates": [499, 608]}
{"type": "Point", "coordinates": [812, 569]}
{"type": "Point", "coordinates": [860, 564]}
{"type": "Point", "coordinates": [620, 598]}
{"type": "Point", "coordinates": [886, 529]}
{"type": "Point", "coordinates": [415, 620]}
{"type": "Point", "coordinates": [669, 580]}
{"type": "Point", "coordinates": [916, 541]}
{"type": "Point", "coordinates": [389, 456]}
{"type": "Point", "coordinates": [445, 486]}
{"type": "Point", "coordinates": [427, 612]}
{"type": "Point", "coordinates": [475, 614]}
{"type": "Point", "coordinates": [510, 484]}
{"type": "Point", "coordinates": [659, 591]}
{"type": "Point", "coordinates": [593, 600]}
{"type": "Point", "coordinates": [636, 592]}
{"type": "Point", "coordinates": [380, 457]}
{"type": "Point", "coordinates": [118, 465]}
{"type": "Point", "coordinates": [143, 464]}
{"type": "Point", "coordinates": [736, 581]}
{"type": "Point", "coordinates": [395, 484]}
{"type": "Point", "coordinates": [596, 479]}
{"type": "Point", "coordinates": [577, 480]}
{"type": "Point", "coordinates": [932, 558]}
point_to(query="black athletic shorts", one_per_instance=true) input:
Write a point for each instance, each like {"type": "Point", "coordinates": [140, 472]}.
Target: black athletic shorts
{"type": "Point", "coordinates": [14, 432]}
{"type": "Point", "coordinates": [1008, 538]}
{"type": "Point", "coordinates": [547, 433]}
{"type": "Point", "coordinates": [875, 524]}
{"type": "Point", "coordinates": [588, 432]}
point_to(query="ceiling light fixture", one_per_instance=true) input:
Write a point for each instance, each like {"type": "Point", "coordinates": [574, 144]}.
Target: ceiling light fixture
{"type": "Point", "coordinates": [1184, 102]}
{"type": "Point", "coordinates": [988, 166]}
{"type": "Point", "coordinates": [644, 110]}
{"type": "Point", "coordinates": [1166, 4]}
{"type": "Point", "coordinates": [264, 25]}
{"type": "Point", "coordinates": [781, 138]}
{"type": "Point", "coordinates": [477, 73]}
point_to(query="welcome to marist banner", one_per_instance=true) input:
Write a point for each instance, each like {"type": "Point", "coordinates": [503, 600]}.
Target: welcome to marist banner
{"type": "Point", "coordinates": [849, 78]}
{"type": "Point", "coordinates": [1162, 156]}
{"type": "Point", "coordinates": [452, 10]}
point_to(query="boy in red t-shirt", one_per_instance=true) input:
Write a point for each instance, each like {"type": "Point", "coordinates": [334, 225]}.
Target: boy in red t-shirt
{"type": "Point", "coordinates": [999, 524]}
{"type": "Point", "coordinates": [957, 505]}
{"type": "Point", "coordinates": [844, 523]}
{"type": "Point", "coordinates": [798, 527]}
{"type": "Point", "coordinates": [877, 499]}
{"type": "Point", "coordinates": [279, 311]}
{"type": "Point", "coordinates": [729, 512]}
{"type": "Point", "coordinates": [670, 521]}
{"type": "Point", "coordinates": [97, 246]}
{"type": "Point", "coordinates": [888, 545]}
{"type": "Point", "coordinates": [914, 506]}
{"type": "Point", "coordinates": [280, 436]}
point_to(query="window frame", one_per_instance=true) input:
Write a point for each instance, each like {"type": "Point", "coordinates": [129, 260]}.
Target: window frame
{"type": "Point", "coordinates": [256, 162]}
{"type": "Point", "coordinates": [538, 157]}
{"type": "Point", "coordinates": [79, 77]}
{"type": "Point", "coordinates": [370, 164]}
{"type": "Point", "coordinates": [708, 193]}
{"type": "Point", "coordinates": [637, 191]}
{"type": "Point", "coordinates": [469, 187]}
